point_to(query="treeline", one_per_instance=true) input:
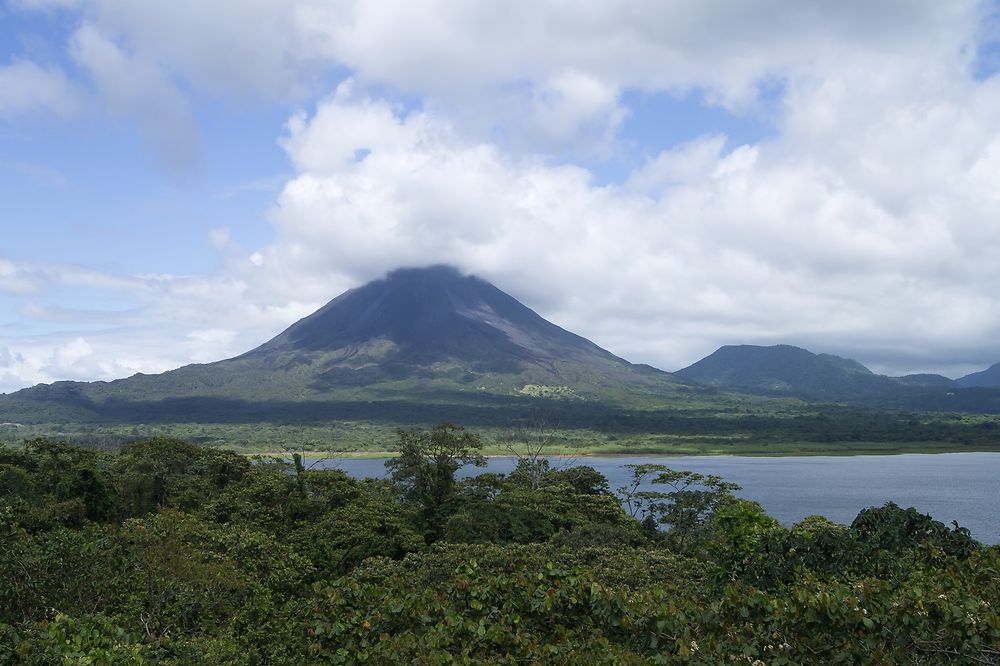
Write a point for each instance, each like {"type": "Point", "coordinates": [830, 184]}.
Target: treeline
{"type": "Point", "coordinates": [65, 406]}
{"type": "Point", "coordinates": [168, 553]}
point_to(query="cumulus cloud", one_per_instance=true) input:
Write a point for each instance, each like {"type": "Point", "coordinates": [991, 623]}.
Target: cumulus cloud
{"type": "Point", "coordinates": [72, 359]}
{"type": "Point", "coordinates": [256, 48]}
{"type": "Point", "coordinates": [545, 75]}
{"type": "Point", "coordinates": [448, 50]}
{"type": "Point", "coordinates": [570, 113]}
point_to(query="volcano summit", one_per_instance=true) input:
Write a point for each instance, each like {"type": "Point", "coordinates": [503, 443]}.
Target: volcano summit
{"type": "Point", "coordinates": [432, 322]}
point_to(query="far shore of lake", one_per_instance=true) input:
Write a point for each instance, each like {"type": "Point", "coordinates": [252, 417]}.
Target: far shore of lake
{"type": "Point", "coordinates": [784, 450]}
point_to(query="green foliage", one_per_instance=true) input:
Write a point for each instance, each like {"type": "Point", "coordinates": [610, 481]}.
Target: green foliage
{"type": "Point", "coordinates": [685, 509]}
{"type": "Point", "coordinates": [585, 480]}
{"type": "Point", "coordinates": [885, 542]}
{"type": "Point", "coordinates": [172, 554]}
{"type": "Point", "coordinates": [14, 481]}
{"type": "Point", "coordinates": [533, 504]}
{"type": "Point", "coordinates": [345, 536]}
{"type": "Point", "coordinates": [164, 472]}
{"type": "Point", "coordinates": [893, 529]}
{"type": "Point", "coordinates": [266, 498]}
{"type": "Point", "coordinates": [69, 641]}
{"type": "Point", "coordinates": [520, 515]}
{"type": "Point", "coordinates": [526, 611]}
{"type": "Point", "coordinates": [740, 533]}
{"type": "Point", "coordinates": [425, 470]}
{"type": "Point", "coordinates": [53, 483]}
{"type": "Point", "coordinates": [488, 604]}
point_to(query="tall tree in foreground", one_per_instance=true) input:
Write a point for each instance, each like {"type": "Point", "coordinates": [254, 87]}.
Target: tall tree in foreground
{"type": "Point", "coordinates": [685, 509]}
{"type": "Point", "coordinates": [426, 467]}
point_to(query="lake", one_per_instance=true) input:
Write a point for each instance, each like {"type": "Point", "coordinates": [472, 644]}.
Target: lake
{"type": "Point", "coordinates": [948, 486]}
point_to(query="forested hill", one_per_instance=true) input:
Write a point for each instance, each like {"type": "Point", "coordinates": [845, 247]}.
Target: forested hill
{"type": "Point", "coordinates": [787, 370]}
{"type": "Point", "coordinates": [784, 368]}
{"type": "Point", "coordinates": [987, 378]}
{"type": "Point", "coordinates": [167, 553]}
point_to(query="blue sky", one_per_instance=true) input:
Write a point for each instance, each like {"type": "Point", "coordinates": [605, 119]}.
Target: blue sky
{"type": "Point", "coordinates": [89, 188]}
{"type": "Point", "coordinates": [181, 181]}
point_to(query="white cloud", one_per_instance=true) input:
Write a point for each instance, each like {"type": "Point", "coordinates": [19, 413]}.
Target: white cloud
{"type": "Point", "coordinates": [18, 279]}
{"type": "Point", "coordinates": [27, 88]}
{"type": "Point", "coordinates": [221, 238]}
{"type": "Point", "coordinates": [449, 50]}
{"type": "Point", "coordinates": [90, 358]}
{"type": "Point", "coordinates": [76, 356]}
{"type": "Point", "coordinates": [545, 75]}
{"type": "Point", "coordinates": [211, 344]}
{"type": "Point", "coordinates": [173, 321]}
{"type": "Point", "coordinates": [257, 48]}
{"type": "Point", "coordinates": [570, 113]}
{"type": "Point", "coordinates": [9, 358]}
{"type": "Point", "coordinates": [688, 162]}
{"type": "Point", "coordinates": [141, 90]}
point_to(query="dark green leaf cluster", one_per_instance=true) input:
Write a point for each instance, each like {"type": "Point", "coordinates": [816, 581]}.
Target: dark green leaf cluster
{"type": "Point", "coordinates": [168, 553]}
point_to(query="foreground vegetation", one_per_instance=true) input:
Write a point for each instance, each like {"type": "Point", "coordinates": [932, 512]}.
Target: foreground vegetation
{"type": "Point", "coordinates": [171, 553]}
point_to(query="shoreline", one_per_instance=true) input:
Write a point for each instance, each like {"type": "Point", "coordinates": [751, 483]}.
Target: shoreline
{"type": "Point", "coordinates": [832, 453]}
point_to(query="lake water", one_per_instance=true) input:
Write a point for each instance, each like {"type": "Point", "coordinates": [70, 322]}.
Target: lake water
{"type": "Point", "coordinates": [948, 486]}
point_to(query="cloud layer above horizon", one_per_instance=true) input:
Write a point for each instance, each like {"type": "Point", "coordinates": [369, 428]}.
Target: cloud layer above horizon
{"type": "Point", "coordinates": [864, 221]}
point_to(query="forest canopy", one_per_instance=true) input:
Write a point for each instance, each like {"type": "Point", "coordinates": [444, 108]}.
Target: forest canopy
{"type": "Point", "coordinates": [171, 553]}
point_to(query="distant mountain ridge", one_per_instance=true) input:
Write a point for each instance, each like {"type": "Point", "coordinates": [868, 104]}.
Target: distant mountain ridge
{"type": "Point", "coordinates": [433, 336]}
{"type": "Point", "coordinates": [988, 378]}
{"type": "Point", "coordinates": [784, 369]}
{"type": "Point", "coordinates": [925, 379]}
{"type": "Point", "coordinates": [793, 371]}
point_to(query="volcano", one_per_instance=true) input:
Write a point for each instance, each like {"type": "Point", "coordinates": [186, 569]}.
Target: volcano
{"type": "Point", "coordinates": [417, 335]}
{"type": "Point", "coordinates": [420, 322]}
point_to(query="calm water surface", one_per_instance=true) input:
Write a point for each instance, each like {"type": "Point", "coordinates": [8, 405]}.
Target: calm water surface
{"type": "Point", "coordinates": [949, 486]}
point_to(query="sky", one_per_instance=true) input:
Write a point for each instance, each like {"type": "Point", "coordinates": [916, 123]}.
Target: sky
{"type": "Point", "coordinates": [180, 180]}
